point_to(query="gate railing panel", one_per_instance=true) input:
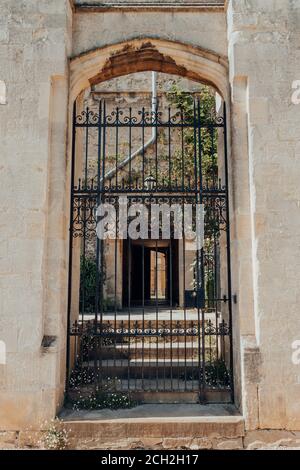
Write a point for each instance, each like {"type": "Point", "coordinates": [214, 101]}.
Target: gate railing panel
{"type": "Point", "coordinates": [120, 336]}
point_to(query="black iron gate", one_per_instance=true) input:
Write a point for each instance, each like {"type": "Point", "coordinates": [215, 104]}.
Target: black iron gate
{"type": "Point", "coordinates": [149, 318]}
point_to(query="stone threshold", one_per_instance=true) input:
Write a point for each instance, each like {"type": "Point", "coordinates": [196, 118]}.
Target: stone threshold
{"type": "Point", "coordinates": [153, 412]}
{"type": "Point", "coordinates": [156, 426]}
{"type": "Point", "coordinates": [150, 7]}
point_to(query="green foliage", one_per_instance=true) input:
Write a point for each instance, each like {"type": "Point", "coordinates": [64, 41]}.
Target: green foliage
{"type": "Point", "coordinates": [88, 276]}
{"type": "Point", "coordinates": [88, 284]}
{"type": "Point", "coordinates": [216, 374]}
{"type": "Point", "coordinates": [188, 105]}
{"type": "Point", "coordinates": [184, 101]}
{"type": "Point", "coordinates": [81, 376]}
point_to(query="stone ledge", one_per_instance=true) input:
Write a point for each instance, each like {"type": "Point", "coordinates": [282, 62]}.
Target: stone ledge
{"type": "Point", "coordinates": [252, 440]}
{"type": "Point", "coordinates": [130, 6]}
{"type": "Point", "coordinates": [156, 427]}
{"type": "Point", "coordinates": [8, 439]}
{"type": "Point", "coordinates": [269, 438]}
{"type": "Point", "coordinates": [132, 428]}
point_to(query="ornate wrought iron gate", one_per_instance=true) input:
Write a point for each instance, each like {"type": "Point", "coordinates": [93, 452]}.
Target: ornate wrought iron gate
{"type": "Point", "coordinates": [150, 317]}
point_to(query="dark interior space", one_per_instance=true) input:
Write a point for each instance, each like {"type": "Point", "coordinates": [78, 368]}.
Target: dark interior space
{"type": "Point", "coordinates": [150, 273]}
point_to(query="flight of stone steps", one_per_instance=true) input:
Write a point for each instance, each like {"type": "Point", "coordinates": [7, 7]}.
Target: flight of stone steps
{"type": "Point", "coordinates": [152, 355]}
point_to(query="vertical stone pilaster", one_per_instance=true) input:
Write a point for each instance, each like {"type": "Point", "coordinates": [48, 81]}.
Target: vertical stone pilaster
{"type": "Point", "coordinates": [34, 67]}
{"type": "Point", "coordinates": [264, 61]}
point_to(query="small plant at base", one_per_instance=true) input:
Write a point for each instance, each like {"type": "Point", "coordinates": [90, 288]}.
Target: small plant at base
{"type": "Point", "coordinates": [105, 398]}
{"type": "Point", "coordinates": [55, 437]}
{"type": "Point", "coordinates": [114, 400]}
{"type": "Point", "coordinates": [216, 374]}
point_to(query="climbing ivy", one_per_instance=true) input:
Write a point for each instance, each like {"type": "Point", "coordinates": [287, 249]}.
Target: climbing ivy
{"type": "Point", "coordinates": [184, 102]}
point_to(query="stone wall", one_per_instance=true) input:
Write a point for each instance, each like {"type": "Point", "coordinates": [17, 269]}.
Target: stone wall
{"type": "Point", "coordinates": [212, 436]}
{"type": "Point", "coordinates": [206, 29]}
{"type": "Point", "coordinates": [261, 40]}
{"type": "Point", "coordinates": [35, 41]}
{"type": "Point", "coordinates": [264, 61]}
{"type": "Point", "coordinates": [148, 3]}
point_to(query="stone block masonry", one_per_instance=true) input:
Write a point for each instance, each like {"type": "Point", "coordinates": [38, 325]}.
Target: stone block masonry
{"type": "Point", "coordinates": [33, 59]}
{"type": "Point", "coordinates": [49, 52]}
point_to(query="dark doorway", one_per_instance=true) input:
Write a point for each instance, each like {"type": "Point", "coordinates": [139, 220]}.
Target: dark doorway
{"type": "Point", "coordinates": [150, 273]}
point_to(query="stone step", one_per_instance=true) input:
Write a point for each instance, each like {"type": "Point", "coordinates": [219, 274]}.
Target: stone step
{"type": "Point", "coordinates": [137, 368]}
{"type": "Point", "coordinates": [184, 395]}
{"type": "Point", "coordinates": [157, 426]}
{"type": "Point", "coordinates": [151, 350]}
{"type": "Point", "coordinates": [161, 350]}
{"type": "Point", "coordinates": [168, 387]}
{"type": "Point", "coordinates": [177, 314]}
{"type": "Point", "coordinates": [122, 339]}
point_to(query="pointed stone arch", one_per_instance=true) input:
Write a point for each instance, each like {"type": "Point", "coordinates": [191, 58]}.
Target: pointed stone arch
{"type": "Point", "coordinates": [146, 54]}
{"type": "Point", "coordinates": [139, 55]}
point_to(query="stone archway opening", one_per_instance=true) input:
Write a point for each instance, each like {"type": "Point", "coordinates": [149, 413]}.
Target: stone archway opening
{"type": "Point", "coordinates": [170, 341]}
{"type": "Point", "coordinates": [146, 54]}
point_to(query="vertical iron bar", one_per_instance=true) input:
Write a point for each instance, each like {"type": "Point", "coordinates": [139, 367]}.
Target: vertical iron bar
{"type": "Point", "coordinates": [200, 200]}
{"type": "Point", "coordinates": [129, 256]}
{"type": "Point", "coordinates": [143, 148]}
{"type": "Point", "coordinates": [98, 340]}
{"type": "Point", "coordinates": [196, 124]}
{"type": "Point", "coordinates": [102, 197]}
{"type": "Point", "coordinates": [98, 202]}
{"type": "Point", "coordinates": [129, 305]}
{"type": "Point", "coordinates": [115, 281]}
{"type": "Point", "coordinates": [182, 150]}
{"type": "Point", "coordinates": [178, 355]}
{"type": "Point", "coordinates": [71, 246]}
{"type": "Point", "coordinates": [82, 275]}
{"type": "Point", "coordinates": [215, 291]}
{"type": "Point", "coordinates": [156, 313]}
{"type": "Point", "coordinates": [116, 248]}
{"type": "Point", "coordinates": [228, 251]}
{"type": "Point", "coordinates": [117, 145]}
{"type": "Point", "coordinates": [169, 146]}
{"type": "Point", "coordinates": [193, 334]}
{"type": "Point", "coordinates": [195, 150]}
{"type": "Point", "coordinates": [171, 311]}
{"type": "Point", "coordinates": [156, 145]}
{"type": "Point", "coordinates": [184, 302]}
{"type": "Point", "coordinates": [104, 146]}
{"type": "Point", "coordinates": [86, 148]}
{"type": "Point", "coordinates": [143, 308]}
{"type": "Point", "coordinates": [212, 132]}
{"type": "Point", "coordinates": [164, 354]}
{"type": "Point", "coordinates": [130, 146]}
{"type": "Point", "coordinates": [136, 338]}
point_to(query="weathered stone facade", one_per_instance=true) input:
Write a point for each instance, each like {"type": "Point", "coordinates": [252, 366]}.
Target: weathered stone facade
{"type": "Point", "coordinates": [50, 52]}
